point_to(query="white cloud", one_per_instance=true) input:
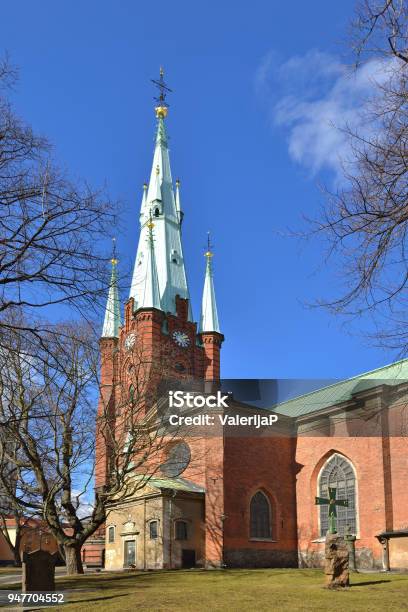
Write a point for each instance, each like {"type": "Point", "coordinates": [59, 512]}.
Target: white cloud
{"type": "Point", "coordinates": [312, 98]}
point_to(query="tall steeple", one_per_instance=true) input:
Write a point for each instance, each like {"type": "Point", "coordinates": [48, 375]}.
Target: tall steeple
{"type": "Point", "coordinates": [159, 202]}
{"type": "Point", "coordinates": [209, 315]}
{"type": "Point", "coordinates": [112, 319]}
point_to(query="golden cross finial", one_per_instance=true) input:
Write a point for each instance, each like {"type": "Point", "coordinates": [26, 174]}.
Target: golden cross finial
{"type": "Point", "coordinates": [209, 252]}
{"type": "Point", "coordinates": [114, 260]}
{"type": "Point", "coordinates": [162, 106]}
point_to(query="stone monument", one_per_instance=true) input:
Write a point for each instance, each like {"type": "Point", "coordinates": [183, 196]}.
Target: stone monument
{"type": "Point", "coordinates": [336, 565]}
{"type": "Point", "coordinates": [336, 553]}
{"type": "Point", "coordinates": [38, 571]}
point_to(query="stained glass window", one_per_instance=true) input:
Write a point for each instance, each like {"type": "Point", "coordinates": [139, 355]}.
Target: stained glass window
{"type": "Point", "coordinates": [339, 474]}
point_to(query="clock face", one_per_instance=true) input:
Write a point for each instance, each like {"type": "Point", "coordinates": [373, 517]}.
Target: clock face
{"type": "Point", "coordinates": [130, 341]}
{"type": "Point", "coordinates": [181, 339]}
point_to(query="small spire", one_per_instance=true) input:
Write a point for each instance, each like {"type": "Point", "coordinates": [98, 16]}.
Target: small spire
{"type": "Point", "coordinates": [151, 293]}
{"type": "Point", "coordinates": [157, 195]}
{"type": "Point", "coordinates": [112, 319]}
{"type": "Point", "coordinates": [180, 214]}
{"type": "Point", "coordinates": [209, 315]}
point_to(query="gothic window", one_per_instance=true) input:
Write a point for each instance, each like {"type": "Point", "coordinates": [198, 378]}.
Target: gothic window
{"type": "Point", "coordinates": [181, 530]}
{"type": "Point", "coordinates": [157, 212]}
{"type": "Point", "coordinates": [111, 535]}
{"type": "Point", "coordinates": [338, 473]}
{"type": "Point", "coordinates": [153, 530]}
{"type": "Point", "coordinates": [260, 516]}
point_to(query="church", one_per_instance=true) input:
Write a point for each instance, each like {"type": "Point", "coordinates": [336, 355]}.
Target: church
{"type": "Point", "coordinates": [246, 499]}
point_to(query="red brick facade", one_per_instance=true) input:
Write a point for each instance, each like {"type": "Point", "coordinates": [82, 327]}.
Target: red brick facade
{"type": "Point", "coordinates": [285, 468]}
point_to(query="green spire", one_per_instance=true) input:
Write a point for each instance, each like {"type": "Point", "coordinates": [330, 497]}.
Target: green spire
{"type": "Point", "coordinates": [209, 315]}
{"type": "Point", "coordinates": [151, 293]}
{"type": "Point", "coordinates": [112, 320]}
{"type": "Point", "coordinates": [159, 200]}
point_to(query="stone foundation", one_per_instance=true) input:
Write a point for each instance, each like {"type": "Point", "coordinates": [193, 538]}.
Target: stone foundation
{"type": "Point", "coordinates": [248, 557]}
{"type": "Point", "coordinates": [315, 559]}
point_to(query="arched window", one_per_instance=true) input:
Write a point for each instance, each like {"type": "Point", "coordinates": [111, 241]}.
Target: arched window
{"type": "Point", "coordinates": [154, 530]}
{"type": "Point", "coordinates": [111, 534]}
{"type": "Point", "coordinates": [338, 473]}
{"type": "Point", "coordinates": [260, 516]}
{"type": "Point", "coordinates": [132, 394]}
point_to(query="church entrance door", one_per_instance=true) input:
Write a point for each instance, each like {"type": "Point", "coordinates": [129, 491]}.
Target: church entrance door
{"type": "Point", "coordinates": [130, 553]}
{"type": "Point", "coordinates": [188, 558]}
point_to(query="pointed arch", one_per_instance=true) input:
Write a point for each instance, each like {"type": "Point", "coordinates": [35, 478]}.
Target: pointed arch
{"type": "Point", "coordinates": [260, 516]}
{"type": "Point", "coordinates": [338, 472]}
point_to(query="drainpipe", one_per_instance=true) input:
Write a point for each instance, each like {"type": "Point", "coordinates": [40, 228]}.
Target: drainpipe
{"type": "Point", "coordinates": [170, 528]}
{"type": "Point", "coordinates": [144, 534]}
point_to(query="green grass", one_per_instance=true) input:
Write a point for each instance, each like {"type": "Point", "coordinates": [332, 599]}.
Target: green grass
{"type": "Point", "coordinates": [232, 591]}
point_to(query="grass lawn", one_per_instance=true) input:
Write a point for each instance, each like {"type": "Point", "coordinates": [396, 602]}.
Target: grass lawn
{"type": "Point", "coordinates": [232, 590]}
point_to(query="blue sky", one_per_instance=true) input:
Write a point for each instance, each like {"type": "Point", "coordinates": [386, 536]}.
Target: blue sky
{"type": "Point", "coordinates": [256, 86]}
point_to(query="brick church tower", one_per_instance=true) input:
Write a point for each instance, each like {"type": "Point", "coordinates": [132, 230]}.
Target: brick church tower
{"type": "Point", "coordinates": [158, 316]}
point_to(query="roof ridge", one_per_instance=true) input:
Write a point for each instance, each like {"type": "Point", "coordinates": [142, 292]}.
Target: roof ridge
{"type": "Point", "coordinates": [358, 376]}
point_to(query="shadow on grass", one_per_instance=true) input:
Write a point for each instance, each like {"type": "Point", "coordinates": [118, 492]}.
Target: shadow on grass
{"type": "Point", "coordinates": [78, 601]}
{"type": "Point", "coordinates": [368, 583]}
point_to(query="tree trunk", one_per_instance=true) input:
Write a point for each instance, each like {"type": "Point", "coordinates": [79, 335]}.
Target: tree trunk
{"type": "Point", "coordinates": [16, 548]}
{"type": "Point", "coordinates": [17, 557]}
{"type": "Point", "coordinates": [73, 560]}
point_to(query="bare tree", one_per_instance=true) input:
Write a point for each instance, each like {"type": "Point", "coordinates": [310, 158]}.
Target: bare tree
{"type": "Point", "coordinates": [51, 228]}
{"type": "Point", "coordinates": [48, 416]}
{"type": "Point", "coordinates": [380, 28]}
{"type": "Point", "coordinates": [15, 515]}
{"type": "Point", "coordinates": [365, 220]}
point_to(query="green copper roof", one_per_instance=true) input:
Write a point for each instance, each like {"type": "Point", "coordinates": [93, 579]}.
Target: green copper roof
{"type": "Point", "coordinates": [393, 374]}
{"type": "Point", "coordinates": [178, 484]}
